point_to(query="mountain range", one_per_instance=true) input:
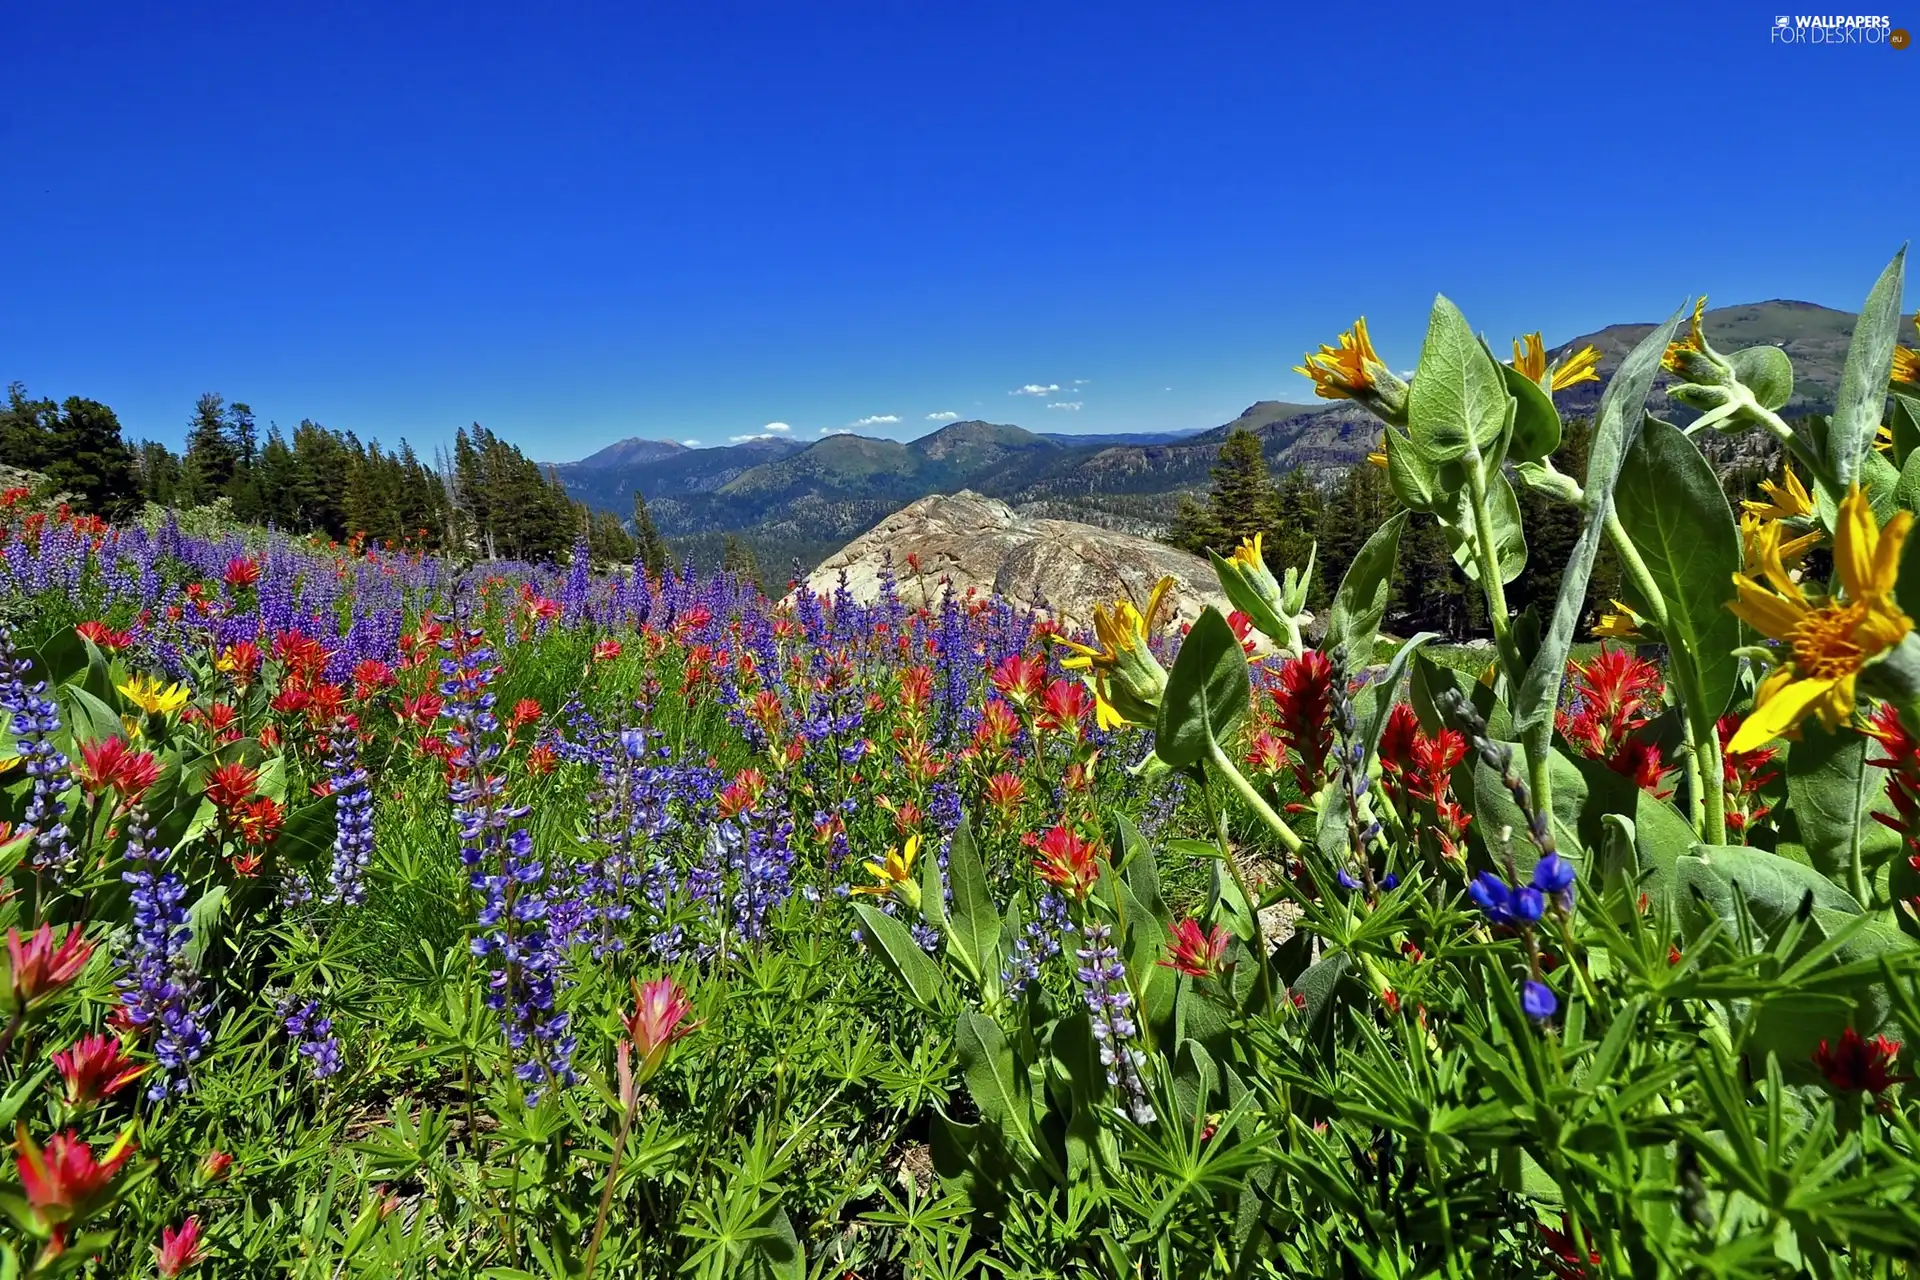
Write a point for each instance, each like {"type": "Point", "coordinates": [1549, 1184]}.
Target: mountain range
{"type": "Point", "coordinates": [805, 499]}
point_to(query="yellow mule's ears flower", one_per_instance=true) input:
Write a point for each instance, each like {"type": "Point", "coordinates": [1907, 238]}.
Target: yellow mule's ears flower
{"type": "Point", "coordinates": [1826, 641]}
{"type": "Point", "coordinates": [1906, 361]}
{"type": "Point", "coordinates": [1786, 500]}
{"type": "Point", "coordinates": [1694, 344]}
{"type": "Point", "coordinates": [1530, 358]}
{"type": "Point", "coordinates": [1249, 555]}
{"type": "Point", "coordinates": [1761, 540]}
{"type": "Point", "coordinates": [894, 873]}
{"type": "Point", "coordinates": [1339, 372]}
{"type": "Point", "coordinates": [152, 697]}
{"type": "Point", "coordinates": [1622, 624]}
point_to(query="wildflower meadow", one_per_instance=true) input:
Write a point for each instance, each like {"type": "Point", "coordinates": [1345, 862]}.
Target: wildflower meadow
{"type": "Point", "coordinates": [372, 913]}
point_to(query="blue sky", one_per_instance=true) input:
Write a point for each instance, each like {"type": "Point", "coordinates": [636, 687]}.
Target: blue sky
{"type": "Point", "coordinates": [574, 223]}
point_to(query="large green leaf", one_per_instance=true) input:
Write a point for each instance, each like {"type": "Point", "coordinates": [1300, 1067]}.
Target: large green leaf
{"type": "Point", "coordinates": [1862, 398]}
{"type": "Point", "coordinates": [1361, 602]}
{"type": "Point", "coordinates": [1206, 692]}
{"type": "Point", "coordinates": [1458, 402]}
{"type": "Point", "coordinates": [1413, 479]}
{"type": "Point", "coordinates": [973, 932]}
{"type": "Point", "coordinates": [1904, 421]}
{"type": "Point", "coordinates": [1677, 518]}
{"type": "Point", "coordinates": [1380, 692]}
{"type": "Point", "coordinates": [1831, 790]}
{"type": "Point", "coordinates": [998, 1088]}
{"type": "Point", "coordinates": [901, 954]}
{"type": "Point", "coordinates": [1767, 372]}
{"type": "Point", "coordinates": [1774, 887]}
{"type": "Point", "coordinates": [1623, 406]}
{"type": "Point", "coordinates": [1536, 423]}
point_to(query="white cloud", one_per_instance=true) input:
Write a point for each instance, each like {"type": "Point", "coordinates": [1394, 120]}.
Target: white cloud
{"type": "Point", "coordinates": [1064, 404]}
{"type": "Point", "coordinates": [776, 426]}
{"type": "Point", "coordinates": [1035, 389]}
{"type": "Point", "coordinates": [945, 415]}
{"type": "Point", "coordinates": [877, 420]}
{"type": "Point", "coordinates": [836, 431]}
{"type": "Point", "coordinates": [691, 444]}
{"type": "Point", "coordinates": [1081, 382]}
{"type": "Point", "coordinates": [757, 435]}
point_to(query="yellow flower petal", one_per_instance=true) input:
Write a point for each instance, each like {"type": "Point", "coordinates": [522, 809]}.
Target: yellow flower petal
{"type": "Point", "coordinates": [1779, 710]}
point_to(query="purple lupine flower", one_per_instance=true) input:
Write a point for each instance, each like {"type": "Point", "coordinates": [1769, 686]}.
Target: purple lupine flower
{"type": "Point", "coordinates": [1103, 983]}
{"type": "Point", "coordinates": [35, 718]}
{"type": "Point", "coordinates": [353, 819]}
{"type": "Point", "coordinates": [312, 1036]}
{"type": "Point", "coordinates": [161, 993]}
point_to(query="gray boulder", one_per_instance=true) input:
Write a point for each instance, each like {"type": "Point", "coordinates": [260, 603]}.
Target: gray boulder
{"type": "Point", "coordinates": [982, 545]}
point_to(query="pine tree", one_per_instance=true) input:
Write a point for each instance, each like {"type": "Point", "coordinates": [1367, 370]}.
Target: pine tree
{"type": "Point", "coordinates": [736, 557]}
{"type": "Point", "coordinates": [211, 457]}
{"type": "Point", "coordinates": [1242, 501]}
{"type": "Point", "coordinates": [649, 546]}
{"type": "Point", "coordinates": [1291, 539]}
{"type": "Point", "coordinates": [90, 461]}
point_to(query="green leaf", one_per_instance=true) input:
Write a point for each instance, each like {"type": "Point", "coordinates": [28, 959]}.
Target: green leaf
{"type": "Point", "coordinates": [1907, 490]}
{"type": "Point", "coordinates": [974, 925]}
{"type": "Point", "coordinates": [1623, 406]}
{"type": "Point", "coordinates": [1905, 424]}
{"type": "Point", "coordinates": [1831, 789]}
{"type": "Point", "coordinates": [1458, 402]}
{"type": "Point", "coordinates": [1536, 423]}
{"type": "Point", "coordinates": [1774, 887]}
{"type": "Point", "coordinates": [1765, 371]}
{"type": "Point", "coordinates": [1361, 602]}
{"type": "Point", "coordinates": [1861, 400]}
{"type": "Point", "coordinates": [1240, 592]}
{"type": "Point", "coordinates": [901, 954]}
{"type": "Point", "coordinates": [1141, 870]}
{"type": "Point", "coordinates": [1677, 517]}
{"type": "Point", "coordinates": [1412, 477]}
{"type": "Point", "coordinates": [203, 920]}
{"type": "Point", "coordinates": [1206, 692]}
{"type": "Point", "coordinates": [1509, 534]}
{"type": "Point", "coordinates": [88, 717]}
{"type": "Point", "coordinates": [1383, 688]}
{"type": "Point", "coordinates": [996, 1087]}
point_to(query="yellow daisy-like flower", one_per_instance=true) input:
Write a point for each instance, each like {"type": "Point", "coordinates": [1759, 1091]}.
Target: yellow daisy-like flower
{"type": "Point", "coordinates": [1787, 500]}
{"type": "Point", "coordinates": [10, 764]}
{"type": "Point", "coordinates": [1695, 343]}
{"type": "Point", "coordinates": [1530, 358]}
{"type": "Point", "coordinates": [1248, 555]}
{"type": "Point", "coordinates": [1622, 624]}
{"type": "Point", "coordinates": [1883, 438]}
{"type": "Point", "coordinates": [1906, 361]}
{"type": "Point", "coordinates": [895, 870]}
{"type": "Point", "coordinates": [1378, 458]}
{"type": "Point", "coordinates": [1121, 631]}
{"type": "Point", "coordinates": [1339, 372]}
{"type": "Point", "coordinates": [1826, 639]}
{"type": "Point", "coordinates": [154, 698]}
{"type": "Point", "coordinates": [1761, 540]}
{"type": "Point", "coordinates": [1104, 715]}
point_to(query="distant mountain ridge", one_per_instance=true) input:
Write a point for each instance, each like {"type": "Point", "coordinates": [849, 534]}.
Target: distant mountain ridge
{"type": "Point", "coordinates": [811, 497]}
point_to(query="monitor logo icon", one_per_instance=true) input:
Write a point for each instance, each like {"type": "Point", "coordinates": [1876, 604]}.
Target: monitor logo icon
{"type": "Point", "coordinates": [1783, 20]}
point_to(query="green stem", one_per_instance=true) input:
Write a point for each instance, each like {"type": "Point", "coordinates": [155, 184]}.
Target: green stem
{"type": "Point", "coordinates": [1538, 745]}
{"type": "Point", "coordinates": [1247, 792]}
{"type": "Point", "coordinates": [1705, 775]}
{"type": "Point", "coordinates": [1263, 978]}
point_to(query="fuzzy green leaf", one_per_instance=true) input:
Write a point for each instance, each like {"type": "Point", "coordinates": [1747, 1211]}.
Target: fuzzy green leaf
{"type": "Point", "coordinates": [1862, 398]}
{"type": "Point", "coordinates": [1361, 602]}
{"type": "Point", "coordinates": [1206, 692]}
{"type": "Point", "coordinates": [1458, 402]}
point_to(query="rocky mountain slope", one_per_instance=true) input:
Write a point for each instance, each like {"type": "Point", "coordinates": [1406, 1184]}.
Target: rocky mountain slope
{"type": "Point", "coordinates": [798, 497]}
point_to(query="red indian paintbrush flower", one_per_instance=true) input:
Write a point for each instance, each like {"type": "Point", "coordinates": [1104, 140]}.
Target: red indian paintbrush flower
{"type": "Point", "coordinates": [1004, 793]}
{"type": "Point", "coordinates": [1066, 706]}
{"type": "Point", "coordinates": [1196, 953]}
{"type": "Point", "coordinates": [1614, 696]}
{"type": "Point", "coordinates": [109, 764]}
{"type": "Point", "coordinates": [179, 1248]}
{"type": "Point", "coordinates": [241, 573]}
{"type": "Point", "coordinates": [1018, 677]}
{"type": "Point", "coordinates": [258, 820]}
{"type": "Point", "coordinates": [1303, 699]}
{"type": "Point", "coordinates": [658, 1021]}
{"type": "Point", "coordinates": [232, 785]}
{"type": "Point", "coordinates": [95, 1067]}
{"type": "Point", "coordinates": [370, 676]}
{"type": "Point", "coordinates": [606, 651]}
{"type": "Point", "coordinates": [999, 725]}
{"type": "Point", "coordinates": [105, 637]}
{"type": "Point", "coordinates": [216, 1165]}
{"type": "Point", "coordinates": [63, 1179]}
{"type": "Point", "coordinates": [1856, 1065]}
{"type": "Point", "coordinates": [1067, 861]}
{"type": "Point", "coordinates": [37, 969]}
